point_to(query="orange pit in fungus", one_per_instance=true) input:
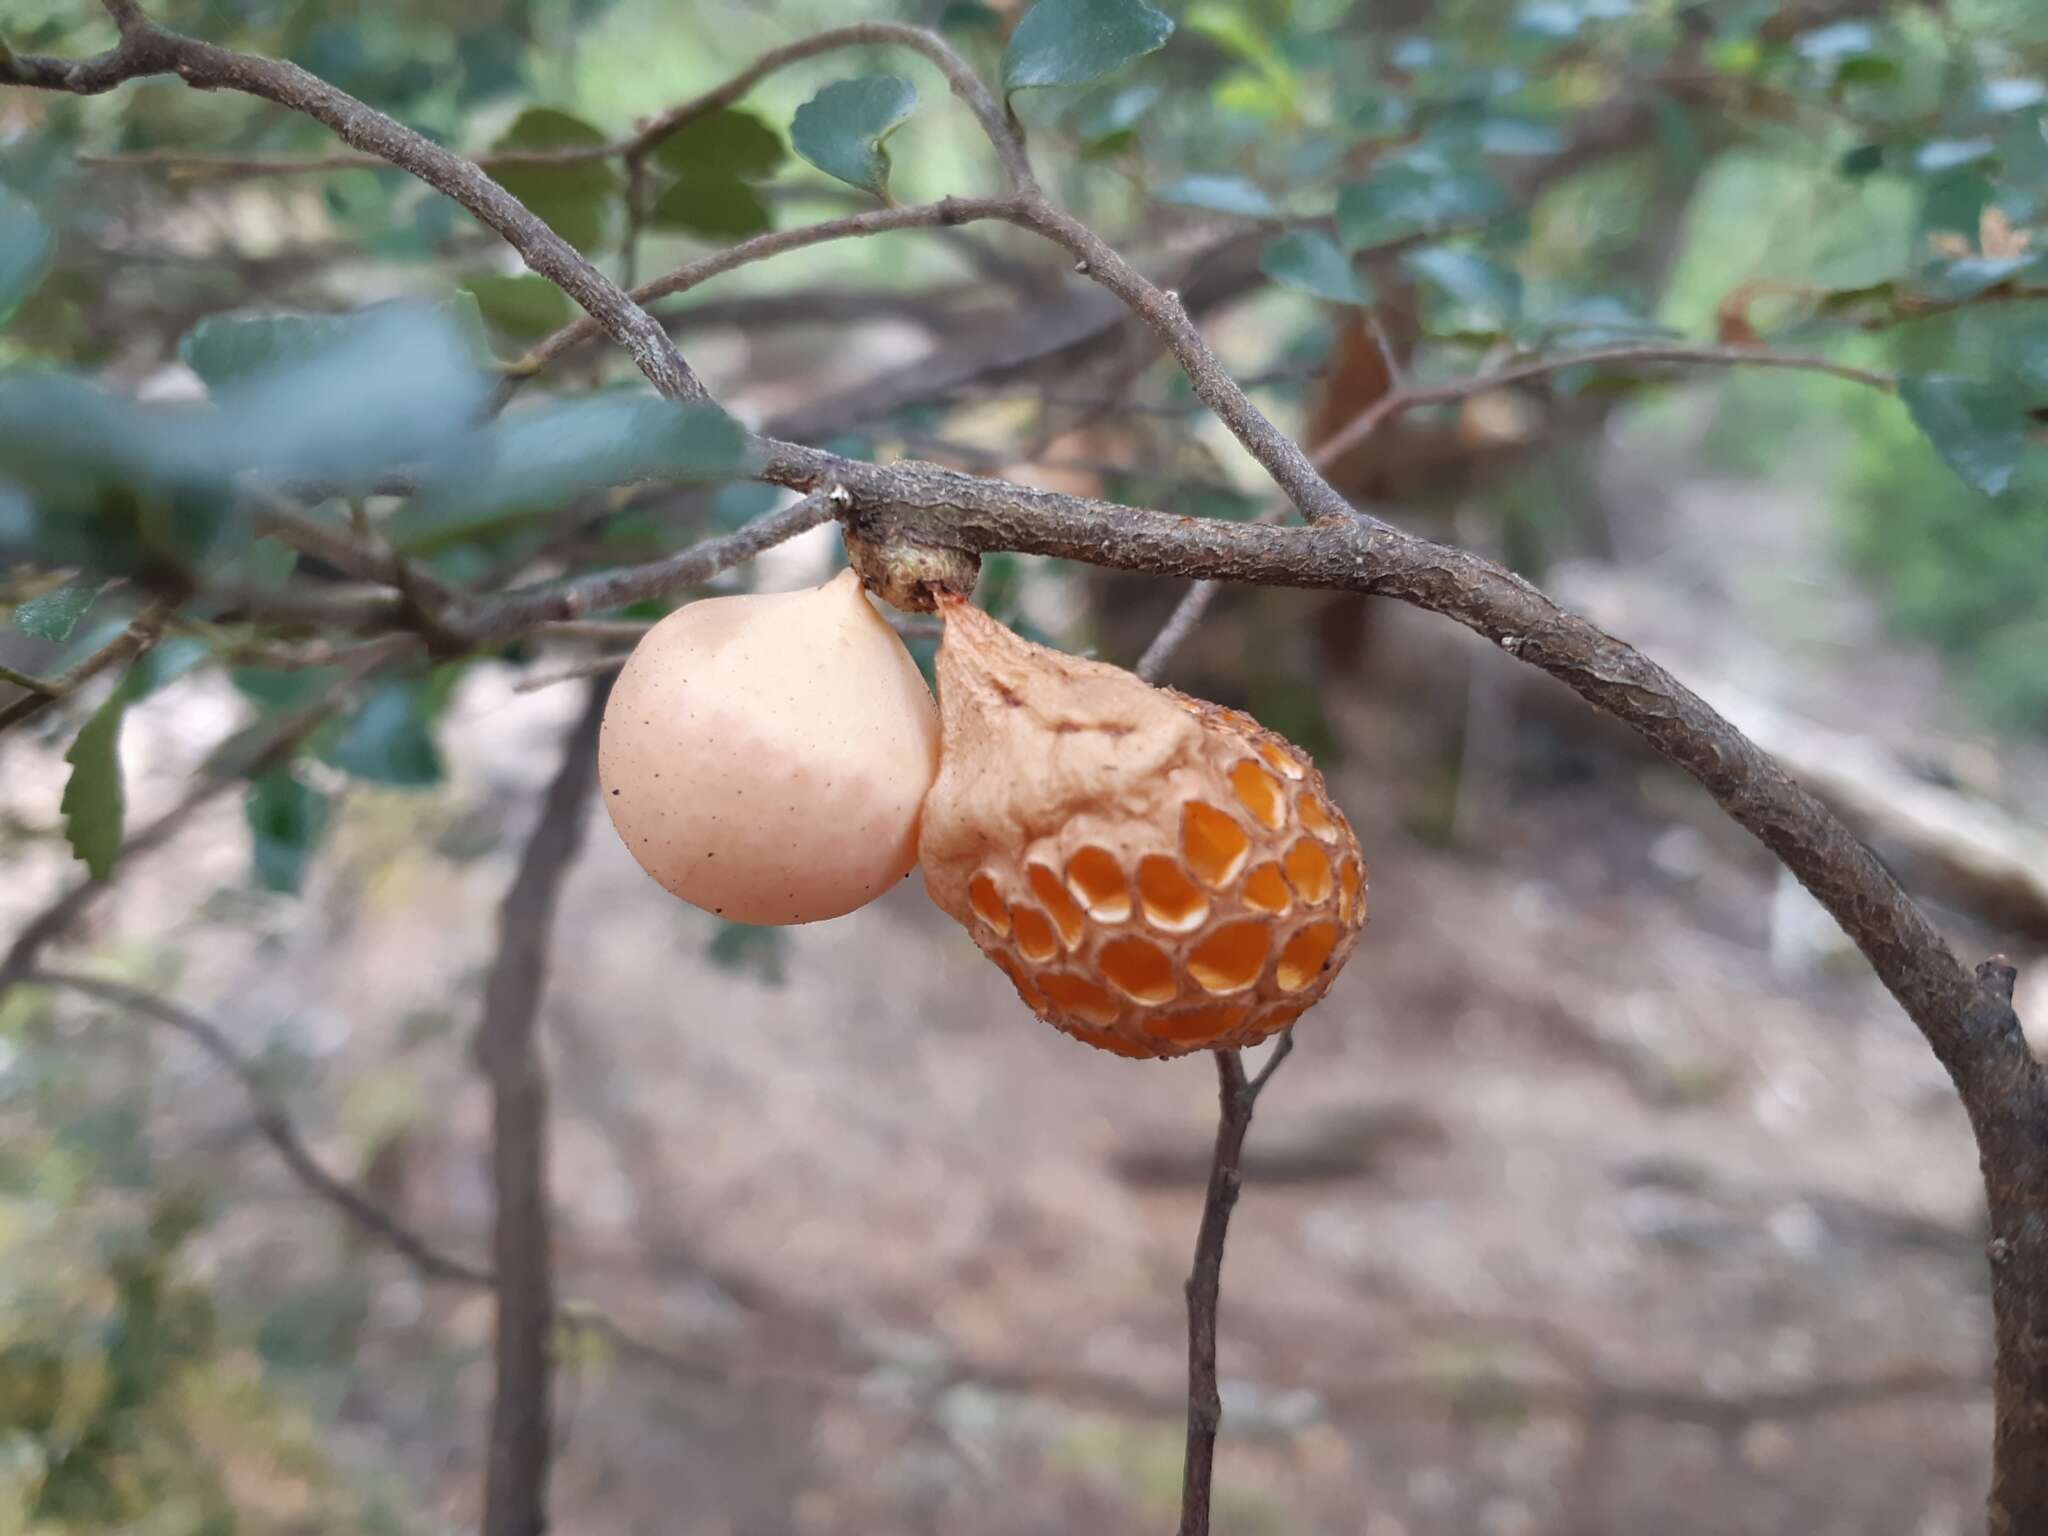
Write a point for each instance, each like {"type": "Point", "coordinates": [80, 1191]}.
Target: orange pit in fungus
{"type": "Point", "coordinates": [1155, 874]}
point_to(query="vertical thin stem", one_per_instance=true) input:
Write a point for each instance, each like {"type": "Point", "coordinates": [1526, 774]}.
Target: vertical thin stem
{"type": "Point", "coordinates": [1205, 1282]}
{"type": "Point", "coordinates": [516, 1466]}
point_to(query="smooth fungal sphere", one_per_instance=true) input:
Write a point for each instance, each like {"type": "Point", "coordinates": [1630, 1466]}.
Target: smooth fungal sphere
{"type": "Point", "coordinates": [764, 757]}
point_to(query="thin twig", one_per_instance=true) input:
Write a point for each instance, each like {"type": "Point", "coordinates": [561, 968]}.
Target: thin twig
{"type": "Point", "coordinates": [595, 666]}
{"type": "Point", "coordinates": [271, 744]}
{"type": "Point", "coordinates": [947, 212]}
{"type": "Point", "coordinates": [142, 633]}
{"type": "Point", "coordinates": [1205, 1282]}
{"type": "Point", "coordinates": [276, 1126]}
{"type": "Point", "coordinates": [1398, 401]}
{"type": "Point", "coordinates": [643, 140]}
{"type": "Point", "coordinates": [516, 1474]}
{"type": "Point", "coordinates": [515, 613]}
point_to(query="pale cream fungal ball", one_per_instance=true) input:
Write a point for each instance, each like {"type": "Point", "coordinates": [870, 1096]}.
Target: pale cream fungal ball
{"type": "Point", "coordinates": [764, 757]}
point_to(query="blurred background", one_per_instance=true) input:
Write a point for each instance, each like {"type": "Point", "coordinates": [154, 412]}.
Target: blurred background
{"type": "Point", "coordinates": [1606, 1193]}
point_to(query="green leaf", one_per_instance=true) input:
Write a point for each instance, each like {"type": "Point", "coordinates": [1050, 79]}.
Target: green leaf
{"type": "Point", "coordinates": [235, 348]}
{"type": "Point", "coordinates": [1863, 160]}
{"type": "Point", "coordinates": [1071, 42]}
{"type": "Point", "coordinates": [726, 143]}
{"type": "Point", "coordinates": [1224, 194]}
{"type": "Point", "coordinates": [276, 689]}
{"type": "Point", "coordinates": [744, 947]}
{"type": "Point", "coordinates": [538, 460]}
{"type": "Point", "coordinates": [1310, 261]}
{"type": "Point", "coordinates": [525, 307]}
{"type": "Point", "coordinates": [390, 739]}
{"type": "Point", "coordinates": [969, 16]}
{"type": "Point", "coordinates": [54, 614]}
{"type": "Point", "coordinates": [841, 129]}
{"type": "Point", "coordinates": [1486, 296]}
{"type": "Point", "coordinates": [1979, 429]}
{"type": "Point", "coordinates": [286, 819]}
{"type": "Point", "coordinates": [574, 199]}
{"type": "Point", "coordinates": [713, 206]}
{"type": "Point", "coordinates": [93, 803]}
{"type": "Point", "coordinates": [25, 245]}
{"type": "Point", "coordinates": [1113, 119]}
{"type": "Point", "coordinates": [1420, 194]}
{"type": "Point", "coordinates": [345, 398]}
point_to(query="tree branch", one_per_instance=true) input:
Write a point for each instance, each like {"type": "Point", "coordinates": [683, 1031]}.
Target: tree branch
{"type": "Point", "coordinates": [645, 138]}
{"type": "Point", "coordinates": [142, 632]}
{"type": "Point", "coordinates": [146, 49]}
{"type": "Point", "coordinates": [276, 1126]}
{"type": "Point", "coordinates": [516, 1476]}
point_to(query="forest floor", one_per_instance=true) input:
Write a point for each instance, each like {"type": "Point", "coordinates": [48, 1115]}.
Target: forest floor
{"type": "Point", "coordinates": [1607, 1193]}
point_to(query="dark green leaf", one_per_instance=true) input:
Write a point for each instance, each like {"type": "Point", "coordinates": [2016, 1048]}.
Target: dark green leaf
{"type": "Point", "coordinates": [163, 664]}
{"type": "Point", "coordinates": [969, 16]}
{"type": "Point", "coordinates": [493, 60]}
{"type": "Point", "coordinates": [1863, 160]}
{"type": "Point", "coordinates": [1956, 202]}
{"type": "Point", "coordinates": [841, 130]}
{"type": "Point", "coordinates": [54, 614]}
{"type": "Point", "coordinates": [235, 348]}
{"type": "Point", "coordinates": [525, 307]}
{"type": "Point", "coordinates": [282, 688]}
{"type": "Point", "coordinates": [1224, 194]}
{"type": "Point", "coordinates": [1310, 261]}
{"type": "Point", "coordinates": [1486, 296]}
{"type": "Point", "coordinates": [344, 398]}
{"type": "Point", "coordinates": [728, 143]}
{"type": "Point", "coordinates": [1115, 115]}
{"type": "Point", "coordinates": [575, 198]}
{"type": "Point", "coordinates": [1416, 195]}
{"type": "Point", "coordinates": [1071, 42]}
{"type": "Point", "coordinates": [390, 740]}
{"type": "Point", "coordinates": [540, 459]}
{"type": "Point", "coordinates": [743, 947]}
{"type": "Point", "coordinates": [286, 819]}
{"type": "Point", "coordinates": [1979, 429]}
{"type": "Point", "coordinates": [25, 243]}
{"type": "Point", "coordinates": [713, 206]}
{"type": "Point", "coordinates": [93, 803]}
{"type": "Point", "coordinates": [263, 566]}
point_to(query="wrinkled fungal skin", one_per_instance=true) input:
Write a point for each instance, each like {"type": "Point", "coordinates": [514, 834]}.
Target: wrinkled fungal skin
{"type": "Point", "coordinates": [1155, 874]}
{"type": "Point", "coordinates": [765, 757]}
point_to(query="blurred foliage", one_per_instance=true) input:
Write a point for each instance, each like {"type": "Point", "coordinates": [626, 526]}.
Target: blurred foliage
{"type": "Point", "coordinates": [1873, 185]}
{"type": "Point", "coordinates": [126, 1402]}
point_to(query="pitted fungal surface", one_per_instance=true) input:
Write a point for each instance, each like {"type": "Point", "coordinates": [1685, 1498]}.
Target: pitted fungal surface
{"type": "Point", "coordinates": [1155, 874]}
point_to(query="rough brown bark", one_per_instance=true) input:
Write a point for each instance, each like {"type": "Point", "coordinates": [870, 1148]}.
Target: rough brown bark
{"type": "Point", "coordinates": [516, 1469]}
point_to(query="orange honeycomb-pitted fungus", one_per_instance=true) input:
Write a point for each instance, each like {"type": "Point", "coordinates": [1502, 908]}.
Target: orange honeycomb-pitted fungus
{"type": "Point", "coordinates": [1154, 874]}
